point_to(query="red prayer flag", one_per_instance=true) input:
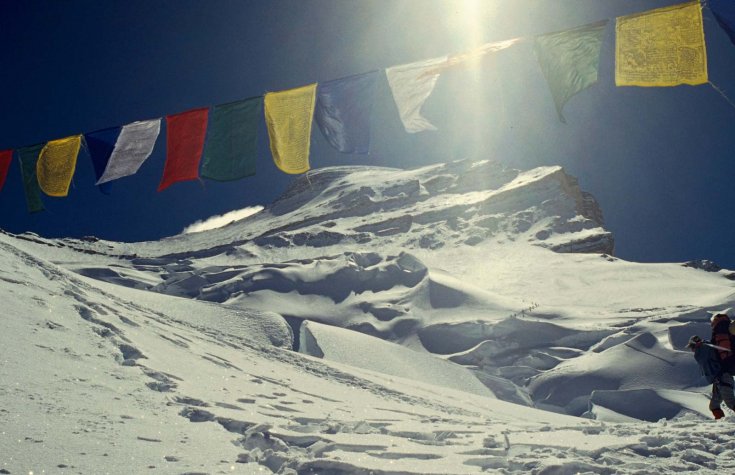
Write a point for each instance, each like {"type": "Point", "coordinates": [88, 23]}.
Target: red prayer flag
{"type": "Point", "coordinates": [5, 157]}
{"type": "Point", "coordinates": [185, 134]}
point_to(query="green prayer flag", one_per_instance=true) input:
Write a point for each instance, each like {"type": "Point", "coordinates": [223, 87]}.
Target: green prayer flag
{"type": "Point", "coordinates": [232, 141]}
{"type": "Point", "coordinates": [28, 157]}
{"type": "Point", "coordinates": [569, 60]}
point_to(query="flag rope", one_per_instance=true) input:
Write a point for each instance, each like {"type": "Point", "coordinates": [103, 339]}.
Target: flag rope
{"type": "Point", "coordinates": [722, 93]}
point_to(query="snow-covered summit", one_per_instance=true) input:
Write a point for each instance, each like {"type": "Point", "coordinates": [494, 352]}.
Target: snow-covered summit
{"type": "Point", "coordinates": [439, 205]}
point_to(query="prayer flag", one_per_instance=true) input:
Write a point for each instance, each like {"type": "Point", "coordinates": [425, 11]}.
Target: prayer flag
{"type": "Point", "coordinates": [100, 145]}
{"type": "Point", "coordinates": [343, 110]}
{"type": "Point", "coordinates": [411, 84]}
{"type": "Point", "coordinates": [28, 157]}
{"type": "Point", "coordinates": [134, 145]}
{"type": "Point", "coordinates": [288, 116]}
{"type": "Point", "coordinates": [6, 156]}
{"type": "Point", "coordinates": [185, 133]}
{"type": "Point", "coordinates": [56, 164]}
{"type": "Point", "coordinates": [724, 11]}
{"type": "Point", "coordinates": [231, 147]}
{"type": "Point", "coordinates": [662, 47]}
{"type": "Point", "coordinates": [569, 60]}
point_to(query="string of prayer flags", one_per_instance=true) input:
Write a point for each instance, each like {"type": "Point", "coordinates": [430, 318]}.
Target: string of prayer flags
{"type": "Point", "coordinates": [28, 157]}
{"type": "Point", "coordinates": [343, 110]}
{"type": "Point", "coordinates": [411, 84]}
{"type": "Point", "coordinates": [288, 117]}
{"type": "Point", "coordinates": [724, 11]}
{"type": "Point", "coordinates": [231, 149]}
{"type": "Point", "coordinates": [6, 156]}
{"type": "Point", "coordinates": [56, 165]}
{"type": "Point", "coordinates": [134, 145]}
{"type": "Point", "coordinates": [185, 133]}
{"type": "Point", "coordinates": [570, 60]}
{"type": "Point", "coordinates": [662, 47]}
{"type": "Point", "coordinates": [656, 48]}
{"type": "Point", "coordinates": [100, 145]}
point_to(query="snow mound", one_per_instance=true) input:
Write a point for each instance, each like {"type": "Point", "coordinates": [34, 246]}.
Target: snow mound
{"type": "Point", "coordinates": [363, 351]}
{"type": "Point", "coordinates": [500, 341]}
{"type": "Point", "coordinates": [645, 404]}
{"type": "Point", "coordinates": [633, 364]}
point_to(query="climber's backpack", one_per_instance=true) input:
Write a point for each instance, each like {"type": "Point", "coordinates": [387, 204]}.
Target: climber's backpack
{"type": "Point", "coordinates": [723, 328]}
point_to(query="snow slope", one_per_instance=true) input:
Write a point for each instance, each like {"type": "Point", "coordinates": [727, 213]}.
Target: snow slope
{"type": "Point", "coordinates": [456, 318]}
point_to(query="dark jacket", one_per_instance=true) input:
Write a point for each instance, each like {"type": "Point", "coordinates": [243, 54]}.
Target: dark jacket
{"type": "Point", "coordinates": [709, 362]}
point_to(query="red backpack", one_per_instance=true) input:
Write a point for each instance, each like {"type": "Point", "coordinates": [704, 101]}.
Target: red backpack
{"type": "Point", "coordinates": [723, 335]}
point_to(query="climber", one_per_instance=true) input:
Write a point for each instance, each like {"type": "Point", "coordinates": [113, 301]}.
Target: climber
{"type": "Point", "coordinates": [722, 382]}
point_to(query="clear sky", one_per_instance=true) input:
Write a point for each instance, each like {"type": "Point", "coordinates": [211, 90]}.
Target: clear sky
{"type": "Point", "coordinates": [660, 161]}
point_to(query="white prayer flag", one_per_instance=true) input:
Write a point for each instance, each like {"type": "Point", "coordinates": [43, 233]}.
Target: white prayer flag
{"type": "Point", "coordinates": [133, 147]}
{"type": "Point", "coordinates": [411, 84]}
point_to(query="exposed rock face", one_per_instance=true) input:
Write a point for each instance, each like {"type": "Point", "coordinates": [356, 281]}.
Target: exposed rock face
{"type": "Point", "coordinates": [703, 264]}
{"type": "Point", "coordinates": [709, 266]}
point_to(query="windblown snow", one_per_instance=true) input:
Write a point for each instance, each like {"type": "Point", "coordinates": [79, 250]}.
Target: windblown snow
{"type": "Point", "coordinates": [456, 318]}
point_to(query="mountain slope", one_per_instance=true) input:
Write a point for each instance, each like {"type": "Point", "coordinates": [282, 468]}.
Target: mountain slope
{"type": "Point", "coordinates": [453, 259]}
{"type": "Point", "coordinates": [231, 350]}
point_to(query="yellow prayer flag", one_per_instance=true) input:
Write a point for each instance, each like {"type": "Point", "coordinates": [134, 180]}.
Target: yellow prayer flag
{"type": "Point", "coordinates": [288, 115]}
{"type": "Point", "coordinates": [56, 165]}
{"type": "Point", "coordinates": [662, 47]}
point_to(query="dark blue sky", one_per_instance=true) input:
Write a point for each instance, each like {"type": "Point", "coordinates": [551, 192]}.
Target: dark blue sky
{"type": "Point", "coordinates": [660, 161]}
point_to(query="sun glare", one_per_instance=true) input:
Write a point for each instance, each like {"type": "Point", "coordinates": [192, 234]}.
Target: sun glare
{"type": "Point", "coordinates": [466, 19]}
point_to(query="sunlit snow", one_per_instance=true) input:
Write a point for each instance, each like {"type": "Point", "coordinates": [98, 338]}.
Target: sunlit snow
{"type": "Point", "coordinates": [457, 318]}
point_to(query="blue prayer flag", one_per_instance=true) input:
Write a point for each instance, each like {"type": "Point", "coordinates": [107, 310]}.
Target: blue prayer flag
{"type": "Point", "coordinates": [343, 110]}
{"type": "Point", "coordinates": [724, 11]}
{"type": "Point", "coordinates": [100, 145]}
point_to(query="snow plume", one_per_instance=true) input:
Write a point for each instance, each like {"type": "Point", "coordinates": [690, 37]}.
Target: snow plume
{"type": "Point", "coordinates": [221, 220]}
